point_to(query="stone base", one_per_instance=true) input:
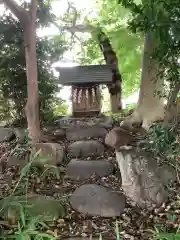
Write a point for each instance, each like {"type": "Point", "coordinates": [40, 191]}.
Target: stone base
{"type": "Point", "coordinates": [86, 114]}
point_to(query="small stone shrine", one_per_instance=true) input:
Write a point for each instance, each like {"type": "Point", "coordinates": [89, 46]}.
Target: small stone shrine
{"type": "Point", "coordinates": [85, 82]}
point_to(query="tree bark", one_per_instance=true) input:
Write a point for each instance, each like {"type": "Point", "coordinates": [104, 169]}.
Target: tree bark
{"type": "Point", "coordinates": [142, 181]}
{"type": "Point", "coordinates": [28, 22]}
{"type": "Point", "coordinates": [150, 106]}
{"type": "Point", "coordinates": [115, 89]}
{"type": "Point", "coordinates": [115, 102]}
{"type": "Point", "coordinates": [172, 109]}
{"type": "Point", "coordinates": [32, 105]}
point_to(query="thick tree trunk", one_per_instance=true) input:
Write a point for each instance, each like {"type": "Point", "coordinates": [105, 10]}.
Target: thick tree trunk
{"type": "Point", "coordinates": [32, 106]}
{"type": "Point", "coordinates": [150, 105]}
{"type": "Point", "coordinates": [142, 179]}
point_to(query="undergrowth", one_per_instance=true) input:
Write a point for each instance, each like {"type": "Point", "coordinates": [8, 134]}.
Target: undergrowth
{"type": "Point", "coordinates": [164, 142]}
{"type": "Point", "coordinates": [28, 227]}
{"type": "Point", "coordinates": [160, 141]}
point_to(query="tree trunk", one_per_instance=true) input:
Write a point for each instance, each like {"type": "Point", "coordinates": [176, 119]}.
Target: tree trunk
{"type": "Point", "coordinates": [32, 106]}
{"type": "Point", "coordinates": [143, 181]}
{"type": "Point", "coordinates": [27, 20]}
{"type": "Point", "coordinates": [172, 113]}
{"type": "Point", "coordinates": [150, 106]}
{"type": "Point", "coordinates": [115, 102]}
{"type": "Point", "coordinates": [110, 57]}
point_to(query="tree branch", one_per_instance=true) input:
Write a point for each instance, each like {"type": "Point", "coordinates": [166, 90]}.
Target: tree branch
{"type": "Point", "coordinates": [17, 10]}
{"type": "Point", "coordinates": [74, 29]}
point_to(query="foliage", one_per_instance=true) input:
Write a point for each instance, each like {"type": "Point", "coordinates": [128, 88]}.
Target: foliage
{"type": "Point", "coordinates": [163, 234]}
{"type": "Point", "coordinates": [112, 18]}
{"type": "Point", "coordinates": [61, 109]}
{"type": "Point", "coordinates": [161, 19]}
{"type": "Point", "coordinates": [13, 86]}
{"type": "Point", "coordinates": [163, 142]}
{"type": "Point", "coordinates": [28, 227]}
{"type": "Point", "coordinates": [159, 138]}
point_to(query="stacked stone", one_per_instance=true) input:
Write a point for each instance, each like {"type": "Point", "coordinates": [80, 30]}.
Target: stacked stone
{"type": "Point", "coordinates": [86, 150]}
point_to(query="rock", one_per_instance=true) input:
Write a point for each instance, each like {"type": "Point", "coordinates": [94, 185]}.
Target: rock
{"type": "Point", "coordinates": [167, 174]}
{"type": "Point", "coordinates": [20, 134]}
{"type": "Point", "coordinates": [6, 134]}
{"type": "Point", "coordinates": [81, 170]}
{"type": "Point", "coordinates": [80, 133]}
{"type": "Point", "coordinates": [140, 179]}
{"type": "Point", "coordinates": [40, 205]}
{"type": "Point", "coordinates": [15, 160]}
{"type": "Point", "coordinates": [51, 154]}
{"type": "Point", "coordinates": [118, 137]}
{"type": "Point", "coordinates": [106, 121]}
{"type": "Point", "coordinates": [60, 133]}
{"type": "Point", "coordinates": [86, 148]}
{"type": "Point", "coordinates": [95, 200]}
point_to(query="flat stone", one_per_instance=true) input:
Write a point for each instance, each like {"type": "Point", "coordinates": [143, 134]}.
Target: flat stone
{"type": "Point", "coordinates": [40, 205]}
{"type": "Point", "coordinates": [6, 134]}
{"type": "Point", "coordinates": [95, 200]}
{"type": "Point", "coordinates": [15, 160]}
{"type": "Point", "coordinates": [106, 122]}
{"type": "Point", "coordinates": [80, 133]}
{"type": "Point", "coordinates": [81, 170]}
{"type": "Point", "coordinates": [51, 154]}
{"type": "Point", "coordinates": [86, 148]}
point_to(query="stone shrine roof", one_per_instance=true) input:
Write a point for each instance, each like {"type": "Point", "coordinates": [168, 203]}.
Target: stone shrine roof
{"type": "Point", "coordinates": [97, 74]}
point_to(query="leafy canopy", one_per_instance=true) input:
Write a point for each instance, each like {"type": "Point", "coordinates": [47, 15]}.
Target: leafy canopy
{"type": "Point", "coordinates": [13, 86]}
{"type": "Point", "coordinates": [112, 19]}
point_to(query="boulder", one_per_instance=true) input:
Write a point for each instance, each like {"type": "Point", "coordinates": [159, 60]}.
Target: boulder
{"type": "Point", "coordinates": [86, 148]}
{"type": "Point", "coordinates": [141, 181]}
{"type": "Point", "coordinates": [81, 170]}
{"type": "Point", "coordinates": [96, 200]}
{"type": "Point", "coordinates": [79, 133]}
{"type": "Point", "coordinates": [36, 205]}
{"type": "Point", "coordinates": [6, 134]}
{"type": "Point", "coordinates": [118, 137]}
{"type": "Point", "coordinates": [50, 154]}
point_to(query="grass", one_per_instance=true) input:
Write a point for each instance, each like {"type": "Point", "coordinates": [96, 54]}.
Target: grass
{"type": "Point", "coordinates": [33, 228]}
{"type": "Point", "coordinates": [165, 235]}
{"type": "Point", "coordinates": [27, 227]}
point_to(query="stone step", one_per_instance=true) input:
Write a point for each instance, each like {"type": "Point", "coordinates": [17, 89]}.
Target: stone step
{"type": "Point", "coordinates": [96, 200]}
{"type": "Point", "coordinates": [86, 148]}
{"type": "Point", "coordinates": [82, 169]}
{"type": "Point", "coordinates": [80, 133]}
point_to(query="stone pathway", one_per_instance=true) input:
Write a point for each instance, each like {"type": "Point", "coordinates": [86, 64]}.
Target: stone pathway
{"type": "Point", "coordinates": [89, 144]}
{"type": "Point", "coordinates": [82, 150]}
